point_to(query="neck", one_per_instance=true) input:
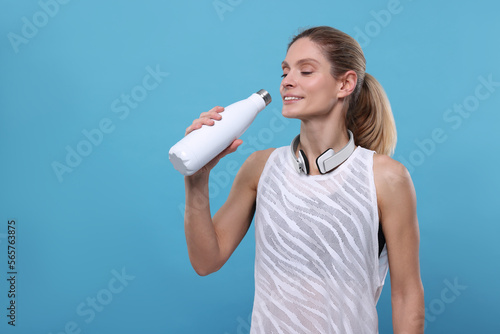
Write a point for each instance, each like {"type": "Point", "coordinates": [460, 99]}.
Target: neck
{"type": "Point", "coordinates": [318, 135]}
{"type": "Point", "coordinates": [321, 133]}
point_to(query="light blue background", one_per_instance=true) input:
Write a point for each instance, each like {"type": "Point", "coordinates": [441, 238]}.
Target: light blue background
{"type": "Point", "coordinates": [120, 208]}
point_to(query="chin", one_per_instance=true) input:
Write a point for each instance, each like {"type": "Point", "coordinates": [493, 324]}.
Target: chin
{"type": "Point", "coordinates": [294, 112]}
{"type": "Point", "coordinates": [286, 112]}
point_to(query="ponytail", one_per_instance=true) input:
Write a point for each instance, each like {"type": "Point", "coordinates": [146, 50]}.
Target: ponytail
{"type": "Point", "coordinates": [369, 114]}
{"type": "Point", "coordinates": [370, 118]}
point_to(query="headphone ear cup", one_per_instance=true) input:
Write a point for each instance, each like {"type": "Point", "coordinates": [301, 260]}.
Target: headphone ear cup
{"type": "Point", "coordinates": [303, 161]}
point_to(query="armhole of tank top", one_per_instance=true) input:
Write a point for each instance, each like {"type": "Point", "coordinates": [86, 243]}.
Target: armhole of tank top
{"type": "Point", "coordinates": [380, 233]}
{"type": "Point", "coordinates": [379, 278]}
{"type": "Point", "coordinates": [266, 167]}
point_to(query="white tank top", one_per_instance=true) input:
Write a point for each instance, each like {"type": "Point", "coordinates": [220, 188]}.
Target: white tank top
{"type": "Point", "coordinates": [317, 264]}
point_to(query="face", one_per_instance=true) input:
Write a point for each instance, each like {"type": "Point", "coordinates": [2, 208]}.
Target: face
{"type": "Point", "coordinates": [308, 88]}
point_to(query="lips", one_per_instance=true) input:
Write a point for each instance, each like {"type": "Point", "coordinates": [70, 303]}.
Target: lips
{"type": "Point", "coordinates": [291, 98]}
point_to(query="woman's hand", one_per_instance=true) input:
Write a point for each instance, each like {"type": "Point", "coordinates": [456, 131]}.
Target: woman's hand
{"type": "Point", "coordinates": [211, 241]}
{"type": "Point", "coordinates": [208, 118]}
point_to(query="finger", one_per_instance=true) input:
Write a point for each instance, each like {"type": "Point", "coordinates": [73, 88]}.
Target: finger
{"type": "Point", "coordinates": [206, 118]}
{"type": "Point", "coordinates": [210, 115]}
{"type": "Point", "coordinates": [231, 148]}
{"type": "Point", "coordinates": [198, 123]}
{"type": "Point", "coordinates": [217, 109]}
{"type": "Point", "coordinates": [234, 145]}
{"type": "Point", "coordinates": [214, 113]}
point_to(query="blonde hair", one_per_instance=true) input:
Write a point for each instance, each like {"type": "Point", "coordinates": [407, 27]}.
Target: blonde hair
{"type": "Point", "coordinates": [369, 114]}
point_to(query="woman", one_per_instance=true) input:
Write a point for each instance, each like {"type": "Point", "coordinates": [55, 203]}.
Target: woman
{"type": "Point", "coordinates": [327, 225]}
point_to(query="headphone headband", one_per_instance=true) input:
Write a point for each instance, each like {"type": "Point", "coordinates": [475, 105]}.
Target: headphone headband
{"type": "Point", "coordinates": [327, 160]}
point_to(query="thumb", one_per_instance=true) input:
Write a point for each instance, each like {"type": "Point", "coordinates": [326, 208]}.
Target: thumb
{"type": "Point", "coordinates": [230, 149]}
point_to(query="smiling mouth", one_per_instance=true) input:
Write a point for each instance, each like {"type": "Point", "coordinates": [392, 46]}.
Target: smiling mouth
{"type": "Point", "coordinates": [292, 98]}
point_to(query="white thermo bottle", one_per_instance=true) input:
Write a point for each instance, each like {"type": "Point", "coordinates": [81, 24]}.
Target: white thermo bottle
{"type": "Point", "coordinates": [202, 145]}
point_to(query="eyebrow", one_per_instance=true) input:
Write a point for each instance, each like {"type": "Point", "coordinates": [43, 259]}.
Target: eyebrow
{"type": "Point", "coordinates": [300, 62]}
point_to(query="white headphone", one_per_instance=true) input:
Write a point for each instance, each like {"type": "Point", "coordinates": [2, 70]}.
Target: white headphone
{"type": "Point", "coordinates": [327, 161]}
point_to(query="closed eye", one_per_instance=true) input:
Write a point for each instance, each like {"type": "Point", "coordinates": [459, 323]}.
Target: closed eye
{"type": "Point", "coordinates": [303, 73]}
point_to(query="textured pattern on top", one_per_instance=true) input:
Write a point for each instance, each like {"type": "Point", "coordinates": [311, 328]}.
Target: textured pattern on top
{"type": "Point", "coordinates": [317, 268]}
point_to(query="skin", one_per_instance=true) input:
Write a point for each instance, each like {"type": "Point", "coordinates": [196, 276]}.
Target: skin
{"type": "Point", "coordinates": [321, 109]}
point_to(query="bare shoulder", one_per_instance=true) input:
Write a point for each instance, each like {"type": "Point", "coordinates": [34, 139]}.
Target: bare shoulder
{"type": "Point", "coordinates": [393, 184]}
{"type": "Point", "coordinates": [389, 172]}
{"type": "Point", "coordinates": [253, 166]}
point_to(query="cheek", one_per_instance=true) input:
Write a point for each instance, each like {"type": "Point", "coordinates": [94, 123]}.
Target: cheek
{"type": "Point", "coordinates": [325, 96]}
{"type": "Point", "coordinates": [314, 84]}
{"type": "Point", "coordinates": [319, 85]}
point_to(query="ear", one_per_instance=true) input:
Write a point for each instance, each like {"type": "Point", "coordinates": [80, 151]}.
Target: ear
{"type": "Point", "coordinates": [347, 84]}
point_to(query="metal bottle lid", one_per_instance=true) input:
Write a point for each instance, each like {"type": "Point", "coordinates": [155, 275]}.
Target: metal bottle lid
{"type": "Point", "coordinates": [265, 95]}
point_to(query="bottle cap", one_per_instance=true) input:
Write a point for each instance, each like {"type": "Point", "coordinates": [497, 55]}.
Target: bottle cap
{"type": "Point", "coordinates": [265, 95]}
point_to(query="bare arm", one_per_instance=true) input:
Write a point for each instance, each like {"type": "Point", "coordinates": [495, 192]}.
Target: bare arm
{"type": "Point", "coordinates": [398, 214]}
{"type": "Point", "coordinates": [211, 241]}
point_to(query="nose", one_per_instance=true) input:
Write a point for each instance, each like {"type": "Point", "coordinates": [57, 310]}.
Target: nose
{"type": "Point", "coordinates": [289, 80]}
